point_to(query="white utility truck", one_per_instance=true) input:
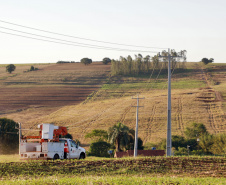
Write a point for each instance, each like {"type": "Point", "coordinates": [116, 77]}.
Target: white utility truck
{"type": "Point", "coordinates": [48, 145]}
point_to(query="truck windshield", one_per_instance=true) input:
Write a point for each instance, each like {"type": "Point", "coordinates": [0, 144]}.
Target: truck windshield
{"type": "Point", "coordinates": [73, 144]}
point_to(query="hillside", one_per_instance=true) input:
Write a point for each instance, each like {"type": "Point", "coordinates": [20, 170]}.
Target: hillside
{"type": "Point", "coordinates": [28, 96]}
{"type": "Point", "coordinates": [198, 95]}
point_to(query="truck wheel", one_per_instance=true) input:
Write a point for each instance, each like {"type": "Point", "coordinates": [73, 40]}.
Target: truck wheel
{"type": "Point", "coordinates": [56, 156]}
{"type": "Point", "coordinates": [82, 156]}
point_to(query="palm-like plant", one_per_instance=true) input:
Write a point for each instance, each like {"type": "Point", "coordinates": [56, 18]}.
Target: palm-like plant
{"type": "Point", "coordinates": [119, 135]}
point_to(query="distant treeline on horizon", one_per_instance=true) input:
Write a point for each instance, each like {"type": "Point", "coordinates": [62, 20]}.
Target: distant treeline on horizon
{"type": "Point", "coordinates": [66, 62]}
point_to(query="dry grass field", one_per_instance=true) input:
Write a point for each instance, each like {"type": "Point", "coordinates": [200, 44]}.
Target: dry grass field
{"type": "Point", "coordinates": [57, 93]}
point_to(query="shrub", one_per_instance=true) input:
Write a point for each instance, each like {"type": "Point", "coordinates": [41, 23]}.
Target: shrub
{"type": "Point", "coordinates": [99, 149]}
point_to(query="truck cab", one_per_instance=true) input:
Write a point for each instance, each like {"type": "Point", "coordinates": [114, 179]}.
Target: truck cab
{"type": "Point", "coordinates": [72, 150]}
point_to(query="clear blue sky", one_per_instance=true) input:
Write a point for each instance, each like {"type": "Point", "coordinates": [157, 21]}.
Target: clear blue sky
{"type": "Point", "coordinates": [197, 26]}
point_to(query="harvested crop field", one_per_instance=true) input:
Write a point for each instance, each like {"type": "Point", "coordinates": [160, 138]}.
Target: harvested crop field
{"type": "Point", "coordinates": [38, 93]}
{"type": "Point", "coordinates": [179, 166]}
{"type": "Point", "coordinates": [50, 96]}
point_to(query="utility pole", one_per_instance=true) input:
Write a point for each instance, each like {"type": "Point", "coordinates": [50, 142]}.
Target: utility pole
{"type": "Point", "coordinates": [136, 131]}
{"type": "Point", "coordinates": [169, 137]}
{"type": "Point", "coordinates": [19, 136]}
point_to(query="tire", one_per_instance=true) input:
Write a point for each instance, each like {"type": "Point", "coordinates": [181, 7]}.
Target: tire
{"type": "Point", "coordinates": [56, 156]}
{"type": "Point", "coordinates": [82, 156]}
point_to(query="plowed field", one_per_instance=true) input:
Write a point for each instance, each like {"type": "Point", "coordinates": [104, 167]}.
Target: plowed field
{"type": "Point", "coordinates": [27, 96]}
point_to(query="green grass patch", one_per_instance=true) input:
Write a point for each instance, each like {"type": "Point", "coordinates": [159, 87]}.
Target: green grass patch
{"type": "Point", "coordinates": [120, 179]}
{"type": "Point", "coordinates": [159, 84]}
{"type": "Point", "coordinates": [187, 84]}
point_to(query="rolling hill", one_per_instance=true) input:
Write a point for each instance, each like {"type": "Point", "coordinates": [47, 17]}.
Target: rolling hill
{"type": "Point", "coordinates": [87, 97]}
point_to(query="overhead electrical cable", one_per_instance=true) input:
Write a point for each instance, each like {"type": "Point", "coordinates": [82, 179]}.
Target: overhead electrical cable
{"type": "Point", "coordinates": [87, 39]}
{"type": "Point", "coordinates": [116, 49]}
{"type": "Point", "coordinates": [101, 47]}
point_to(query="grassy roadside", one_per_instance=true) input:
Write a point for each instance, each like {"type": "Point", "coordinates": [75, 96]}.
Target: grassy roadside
{"type": "Point", "coordinates": [130, 180]}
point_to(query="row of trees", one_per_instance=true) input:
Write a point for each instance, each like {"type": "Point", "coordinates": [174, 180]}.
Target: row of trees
{"type": "Point", "coordinates": [196, 141]}
{"type": "Point", "coordinates": [119, 137]}
{"type": "Point", "coordinates": [88, 61]}
{"type": "Point", "coordinates": [143, 65]}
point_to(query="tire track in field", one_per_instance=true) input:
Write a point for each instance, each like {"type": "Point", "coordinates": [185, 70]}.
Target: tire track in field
{"type": "Point", "coordinates": [123, 117]}
{"type": "Point", "coordinates": [179, 116]}
{"type": "Point", "coordinates": [211, 117]}
{"type": "Point", "coordinates": [208, 102]}
{"type": "Point", "coordinates": [150, 124]}
{"type": "Point", "coordinates": [95, 118]}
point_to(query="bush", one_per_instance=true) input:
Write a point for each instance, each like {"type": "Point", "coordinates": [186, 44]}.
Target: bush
{"type": "Point", "coordinates": [32, 68]}
{"type": "Point", "coordinates": [8, 136]}
{"type": "Point", "coordinates": [99, 149]}
{"type": "Point", "coordinates": [181, 151]}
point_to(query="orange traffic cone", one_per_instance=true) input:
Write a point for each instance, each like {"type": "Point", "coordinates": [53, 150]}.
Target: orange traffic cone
{"type": "Point", "coordinates": [66, 147]}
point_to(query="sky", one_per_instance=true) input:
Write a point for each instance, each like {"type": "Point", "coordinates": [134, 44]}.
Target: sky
{"type": "Point", "coordinates": [197, 26]}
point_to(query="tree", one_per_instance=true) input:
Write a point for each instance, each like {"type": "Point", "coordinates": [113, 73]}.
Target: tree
{"type": "Point", "coordinates": [207, 61]}
{"type": "Point", "coordinates": [196, 130]}
{"type": "Point", "coordinates": [130, 145]}
{"type": "Point", "coordinates": [106, 60]}
{"type": "Point", "coordinates": [97, 135]}
{"type": "Point", "coordinates": [10, 68]}
{"type": "Point", "coordinates": [66, 136]}
{"type": "Point", "coordinates": [99, 149]}
{"type": "Point", "coordinates": [8, 136]}
{"type": "Point", "coordinates": [32, 68]}
{"type": "Point", "coordinates": [119, 136]}
{"type": "Point", "coordinates": [219, 145]}
{"type": "Point", "coordinates": [178, 141]}
{"type": "Point", "coordinates": [206, 142]}
{"type": "Point", "coordinates": [86, 61]}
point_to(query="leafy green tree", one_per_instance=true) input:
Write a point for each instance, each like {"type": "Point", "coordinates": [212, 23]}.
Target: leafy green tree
{"type": "Point", "coordinates": [97, 135]}
{"type": "Point", "coordinates": [207, 61]}
{"type": "Point", "coordinates": [119, 135]}
{"type": "Point", "coordinates": [195, 130]}
{"type": "Point", "coordinates": [206, 142]}
{"type": "Point", "coordinates": [10, 68]}
{"type": "Point", "coordinates": [106, 60]}
{"type": "Point", "coordinates": [8, 136]}
{"type": "Point", "coordinates": [99, 149]}
{"type": "Point", "coordinates": [219, 144]}
{"type": "Point", "coordinates": [178, 141]}
{"type": "Point", "coordinates": [130, 145]}
{"type": "Point", "coordinates": [86, 61]}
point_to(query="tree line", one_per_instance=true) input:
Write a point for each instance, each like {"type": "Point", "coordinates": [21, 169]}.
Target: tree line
{"type": "Point", "coordinates": [144, 65]}
{"type": "Point", "coordinates": [195, 141]}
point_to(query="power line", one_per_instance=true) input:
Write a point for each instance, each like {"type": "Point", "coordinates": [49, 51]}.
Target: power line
{"type": "Point", "coordinates": [100, 47]}
{"type": "Point", "coordinates": [79, 37]}
{"type": "Point", "coordinates": [116, 49]}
